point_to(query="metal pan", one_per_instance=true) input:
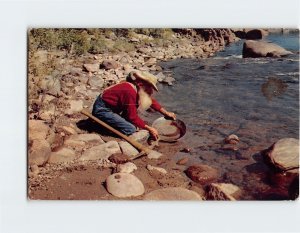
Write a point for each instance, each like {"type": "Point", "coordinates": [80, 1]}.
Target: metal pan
{"type": "Point", "coordinates": [169, 130]}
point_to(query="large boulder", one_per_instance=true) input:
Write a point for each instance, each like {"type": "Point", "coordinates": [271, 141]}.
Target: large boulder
{"type": "Point", "coordinates": [255, 34]}
{"type": "Point", "coordinates": [223, 191]}
{"type": "Point", "coordinates": [102, 151]}
{"type": "Point", "coordinates": [202, 174]}
{"type": "Point", "coordinates": [173, 193]}
{"type": "Point", "coordinates": [284, 154]}
{"type": "Point", "coordinates": [124, 185]}
{"type": "Point", "coordinates": [255, 49]}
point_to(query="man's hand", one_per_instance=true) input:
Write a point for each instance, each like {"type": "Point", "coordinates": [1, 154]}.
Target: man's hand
{"type": "Point", "coordinates": [171, 115]}
{"type": "Point", "coordinates": [153, 132]}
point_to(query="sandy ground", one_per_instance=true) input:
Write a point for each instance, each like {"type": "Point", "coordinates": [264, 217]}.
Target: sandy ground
{"type": "Point", "coordinates": [87, 182]}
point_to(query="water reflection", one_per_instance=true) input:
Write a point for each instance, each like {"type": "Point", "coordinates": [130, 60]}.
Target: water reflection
{"type": "Point", "coordinates": [273, 87]}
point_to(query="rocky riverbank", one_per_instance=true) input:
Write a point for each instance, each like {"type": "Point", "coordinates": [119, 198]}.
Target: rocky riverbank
{"type": "Point", "coordinates": [68, 156]}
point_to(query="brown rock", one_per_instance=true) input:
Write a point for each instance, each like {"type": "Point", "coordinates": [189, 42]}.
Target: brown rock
{"type": "Point", "coordinates": [91, 67]}
{"type": "Point", "coordinates": [284, 154]}
{"type": "Point", "coordinates": [232, 139]}
{"type": "Point", "coordinates": [182, 161]}
{"type": "Point", "coordinates": [39, 152]}
{"type": "Point", "coordinates": [255, 34]}
{"type": "Point", "coordinates": [202, 174]}
{"type": "Point", "coordinates": [223, 192]}
{"type": "Point", "coordinates": [109, 64]}
{"type": "Point", "coordinates": [173, 193]}
{"type": "Point", "coordinates": [118, 158]}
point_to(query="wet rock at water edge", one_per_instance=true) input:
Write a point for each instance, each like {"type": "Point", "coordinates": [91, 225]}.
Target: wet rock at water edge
{"type": "Point", "coordinates": [284, 155]}
{"type": "Point", "coordinates": [256, 49]}
{"type": "Point", "coordinates": [202, 174]}
{"type": "Point", "coordinates": [173, 193]}
{"type": "Point", "coordinates": [126, 167]}
{"type": "Point", "coordinates": [118, 158]}
{"type": "Point", "coordinates": [124, 185]}
{"type": "Point", "coordinates": [185, 150]}
{"type": "Point", "coordinates": [232, 139]}
{"type": "Point", "coordinates": [223, 192]}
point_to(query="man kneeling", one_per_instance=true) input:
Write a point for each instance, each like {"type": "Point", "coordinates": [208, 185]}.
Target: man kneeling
{"type": "Point", "coordinates": [118, 104]}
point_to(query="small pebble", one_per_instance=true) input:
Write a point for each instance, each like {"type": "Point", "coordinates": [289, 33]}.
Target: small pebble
{"type": "Point", "coordinates": [182, 161]}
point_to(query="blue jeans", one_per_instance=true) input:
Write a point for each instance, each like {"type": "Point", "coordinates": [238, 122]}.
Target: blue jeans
{"type": "Point", "coordinates": [104, 113]}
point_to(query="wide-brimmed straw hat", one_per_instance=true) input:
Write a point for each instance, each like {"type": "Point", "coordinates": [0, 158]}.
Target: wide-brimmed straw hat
{"type": "Point", "coordinates": [145, 76]}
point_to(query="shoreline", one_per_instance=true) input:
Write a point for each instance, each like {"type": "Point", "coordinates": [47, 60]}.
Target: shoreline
{"type": "Point", "coordinates": [80, 81]}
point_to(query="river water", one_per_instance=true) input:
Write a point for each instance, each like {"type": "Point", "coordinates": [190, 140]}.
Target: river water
{"type": "Point", "coordinates": [255, 98]}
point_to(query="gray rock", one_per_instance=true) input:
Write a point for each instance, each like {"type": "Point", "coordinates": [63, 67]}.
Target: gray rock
{"type": "Point", "coordinates": [173, 193]}
{"type": "Point", "coordinates": [80, 89]}
{"type": "Point", "coordinates": [92, 94]}
{"type": "Point", "coordinates": [64, 155]}
{"type": "Point", "coordinates": [154, 155]}
{"type": "Point", "coordinates": [284, 154]}
{"type": "Point", "coordinates": [75, 106]}
{"type": "Point", "coordinates": [101, 151]}
{"type": "Point", "coordinates": [91, 67]}
{"type": "Point", "coordinates": [140, 136]}
{"type": "Point", "coordinates": [96, 82]}
{"type": "Point", "coordinates": [126, 167]}
{"type": "Point", "coordinates": [124, 185]}
{"type": "Point", "coordinates": [50, 85]}
{"type": "Point", "coordinates": [109, 64]}
{"type": "Point", "coordinates": [151, 61]}
{"type": "Point", "coordinates": [223, 191]}
{"type": "Point", "coordinates": [128, 149]}
{"type": "Point", "coordinates": [254, 49]}
{"type": "Point", "coordinates": [39, 152]}
{"type": "Point", "coordinates": [76, 71]}
{"type": "Point", "coordinates": [91, 137]}
{"type": "Point", "coordinates": [160, 77]}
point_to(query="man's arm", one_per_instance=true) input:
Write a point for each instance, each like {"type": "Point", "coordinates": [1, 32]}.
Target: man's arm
{"type": "Point", "coordinates": [157, 107]}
